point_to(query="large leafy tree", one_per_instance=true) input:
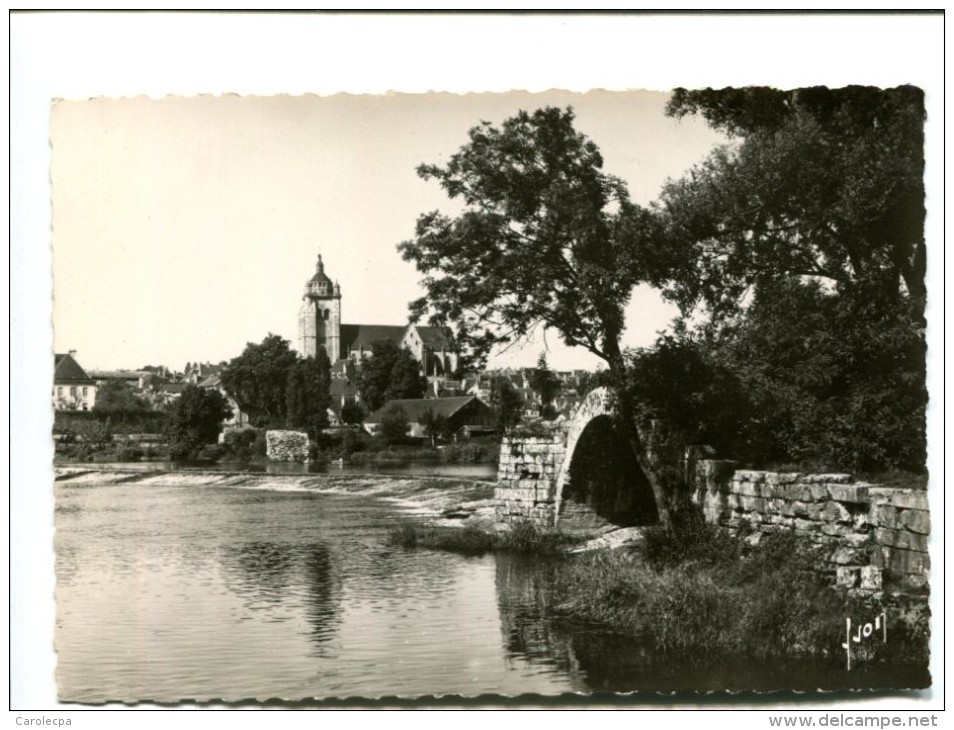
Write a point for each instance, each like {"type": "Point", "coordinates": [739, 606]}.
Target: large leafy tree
{"type": "Point", "coordinates": [258, 379]}
{"type": "Point", "coordinates": [114, 397]}
{"type": "Point", "coordinates": [545, 239]}
{"type": "Point", "coordinates": [394, 424]}
{"type": "Point", "coordinates": [307, 394]}
{"type": "Point", "coordinates": [820, 183]}
{"type": "Point", "coordinates": [196, 419]}
{"type": "Point", "coordinates": [435, 425]}
{"type": "Point", "coordinates": [389, 372]}
{"type": "Point", "coordinates": [546, 384]}
{"type": "Point", "coordinates": [803, 242]}
{"type": "Point", "coordinates": [507, 403]}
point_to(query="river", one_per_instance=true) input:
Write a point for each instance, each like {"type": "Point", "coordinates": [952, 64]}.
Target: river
{"type": "Point", "coordinates": [236, 587]}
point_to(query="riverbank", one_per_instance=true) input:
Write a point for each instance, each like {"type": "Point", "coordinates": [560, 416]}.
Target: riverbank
{"type": "Point", "coordinates": [698, 593]}
{"type": "Point", "coordinates": [423, 496]}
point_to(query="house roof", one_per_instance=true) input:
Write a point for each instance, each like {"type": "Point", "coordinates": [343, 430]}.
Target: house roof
{"type": "Point", "coordinates": [361, 336]}
{"type": "Point", "coordinates": [115, 374]}
{"type": "Point", "coordinates": [173, 387]}
{"type": "Point", "coordinates": [478, 428]}
{"type": "Point", "coordinates": [66, 370]}
{"type": "Point", "coordinates": [414, 408]}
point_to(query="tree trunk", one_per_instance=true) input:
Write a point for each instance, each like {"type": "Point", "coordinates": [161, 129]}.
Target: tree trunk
{"type": "Point", "coordinates": [631, 433]}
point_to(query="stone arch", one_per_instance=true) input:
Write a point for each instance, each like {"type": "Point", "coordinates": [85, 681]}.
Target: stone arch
{"type": "Point", "coordinates": [621, 494]}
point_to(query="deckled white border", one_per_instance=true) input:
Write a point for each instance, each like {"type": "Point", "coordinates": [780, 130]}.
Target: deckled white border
{"type": "Point", "coordinates": [89, 54]}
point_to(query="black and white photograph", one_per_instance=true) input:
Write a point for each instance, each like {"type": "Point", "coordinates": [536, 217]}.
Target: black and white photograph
{"type": "Point", "coordinates": [614, 394]}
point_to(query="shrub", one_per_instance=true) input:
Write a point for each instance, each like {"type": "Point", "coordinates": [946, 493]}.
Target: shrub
{"type": "Point", "coordinates": [351, 442]}
{"type": "Point", "coordinates": [394, 424]}
{"type": "Point", "coordinates": [690, 539]}
{"type": "Point", "coordinates": [128, 452]}
{"type": "Point", "coordinates": [240, 444]}
{"type": "Point", "coordinates": [471, 453]}
{"type": "Point", "coordinates": [209, 452]}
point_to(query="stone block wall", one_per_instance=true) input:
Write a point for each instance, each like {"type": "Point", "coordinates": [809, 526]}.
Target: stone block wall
{"type": "Point", "coordinates": [286, 445]}
{"type": "Point", "coordinates": [876, 538]}
{"type": "Point", "coordinates": [526, 478]}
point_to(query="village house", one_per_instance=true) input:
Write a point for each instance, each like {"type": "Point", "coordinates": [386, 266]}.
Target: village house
{"type": "Point", "coordinates": [73, 388]}
{"type": "Point", "coordinates": [460, 411]}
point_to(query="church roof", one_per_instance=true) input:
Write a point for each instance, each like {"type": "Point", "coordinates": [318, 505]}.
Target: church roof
{"type": "Point", "coordinates": [360, 336]}
{"type": "Point", "coordinates": [67, 370]}
{"type": "Point", "coordinates": [436, 338]}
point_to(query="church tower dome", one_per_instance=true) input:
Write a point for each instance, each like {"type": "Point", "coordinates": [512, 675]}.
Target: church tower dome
{"type": "Point", "coordinates": [320, 285]}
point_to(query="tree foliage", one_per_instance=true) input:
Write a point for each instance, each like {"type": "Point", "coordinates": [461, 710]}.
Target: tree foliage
{"type": "Point", "coordinates": [389, 373]}
{"type": "Point", "coordinates": [435, 425]}
{"type": "Point", "coordinates": [682, 381]}
{"type": "Point", "coordinates": [822, 183]}
{"type": "Point", "coordinates": [258, 379]}
{"type": "Point", "coordinates": [196, 419]}
{"type": "Point", "coordinates": [506, 402]}
{"type": "Point", "coordinates": [394, 424]}
{"type": "Point", "coordinates": [546, 384]}
{"type": "Point", "coordinates": [307, 393]}
{"type": "Point", "coordinates": [115, 397]}
{"type": "Point", "coordinates": [832, 379]}
{"type": "Point", "coordinates": [546, 238]}
{"type": "Point", "coordinates": [352, 413]}
{"type": "Point", "coordinates": [803, 243]}
{"type": "Point", "coordinates": [277, 388]}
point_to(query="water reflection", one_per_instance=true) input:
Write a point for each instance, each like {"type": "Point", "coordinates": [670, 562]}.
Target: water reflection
{"type": "Point", "coordinates": [323, 595]}
{"type": "Point", "coordinates": [281, 579]}
{"type": "Point", "coordinates": [529, 632]}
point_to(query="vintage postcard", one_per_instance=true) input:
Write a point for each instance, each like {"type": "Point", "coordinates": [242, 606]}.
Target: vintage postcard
{"type": "Point", "coordinates": [417, 395]}
{"type": "Point", "coordinates": [609, 379]}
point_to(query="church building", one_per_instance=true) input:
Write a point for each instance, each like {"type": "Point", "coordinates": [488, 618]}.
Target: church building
{"type": "Point", "coordinates": [320, 325]}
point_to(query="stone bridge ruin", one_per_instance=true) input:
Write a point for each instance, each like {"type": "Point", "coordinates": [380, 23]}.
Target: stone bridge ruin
{"type": "Point", "coordinates": [579, 477]}
{"type": "Point", "coordinates": [582, 478]}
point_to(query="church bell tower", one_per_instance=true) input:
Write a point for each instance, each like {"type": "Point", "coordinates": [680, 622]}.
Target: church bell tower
{"type": "Point", "coordinates": [319, 319]}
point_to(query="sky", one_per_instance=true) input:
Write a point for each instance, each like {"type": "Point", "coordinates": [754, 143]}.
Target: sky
{"type": "Point", "coordinates": [184, 228]}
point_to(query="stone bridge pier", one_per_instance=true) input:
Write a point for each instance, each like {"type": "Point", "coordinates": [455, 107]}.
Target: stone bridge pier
{"type": "Point", "coordinates": [580, 477]}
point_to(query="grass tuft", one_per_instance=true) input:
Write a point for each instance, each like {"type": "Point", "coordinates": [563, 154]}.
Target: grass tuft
{"type": "Point", "coordinates": [523, 538]}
